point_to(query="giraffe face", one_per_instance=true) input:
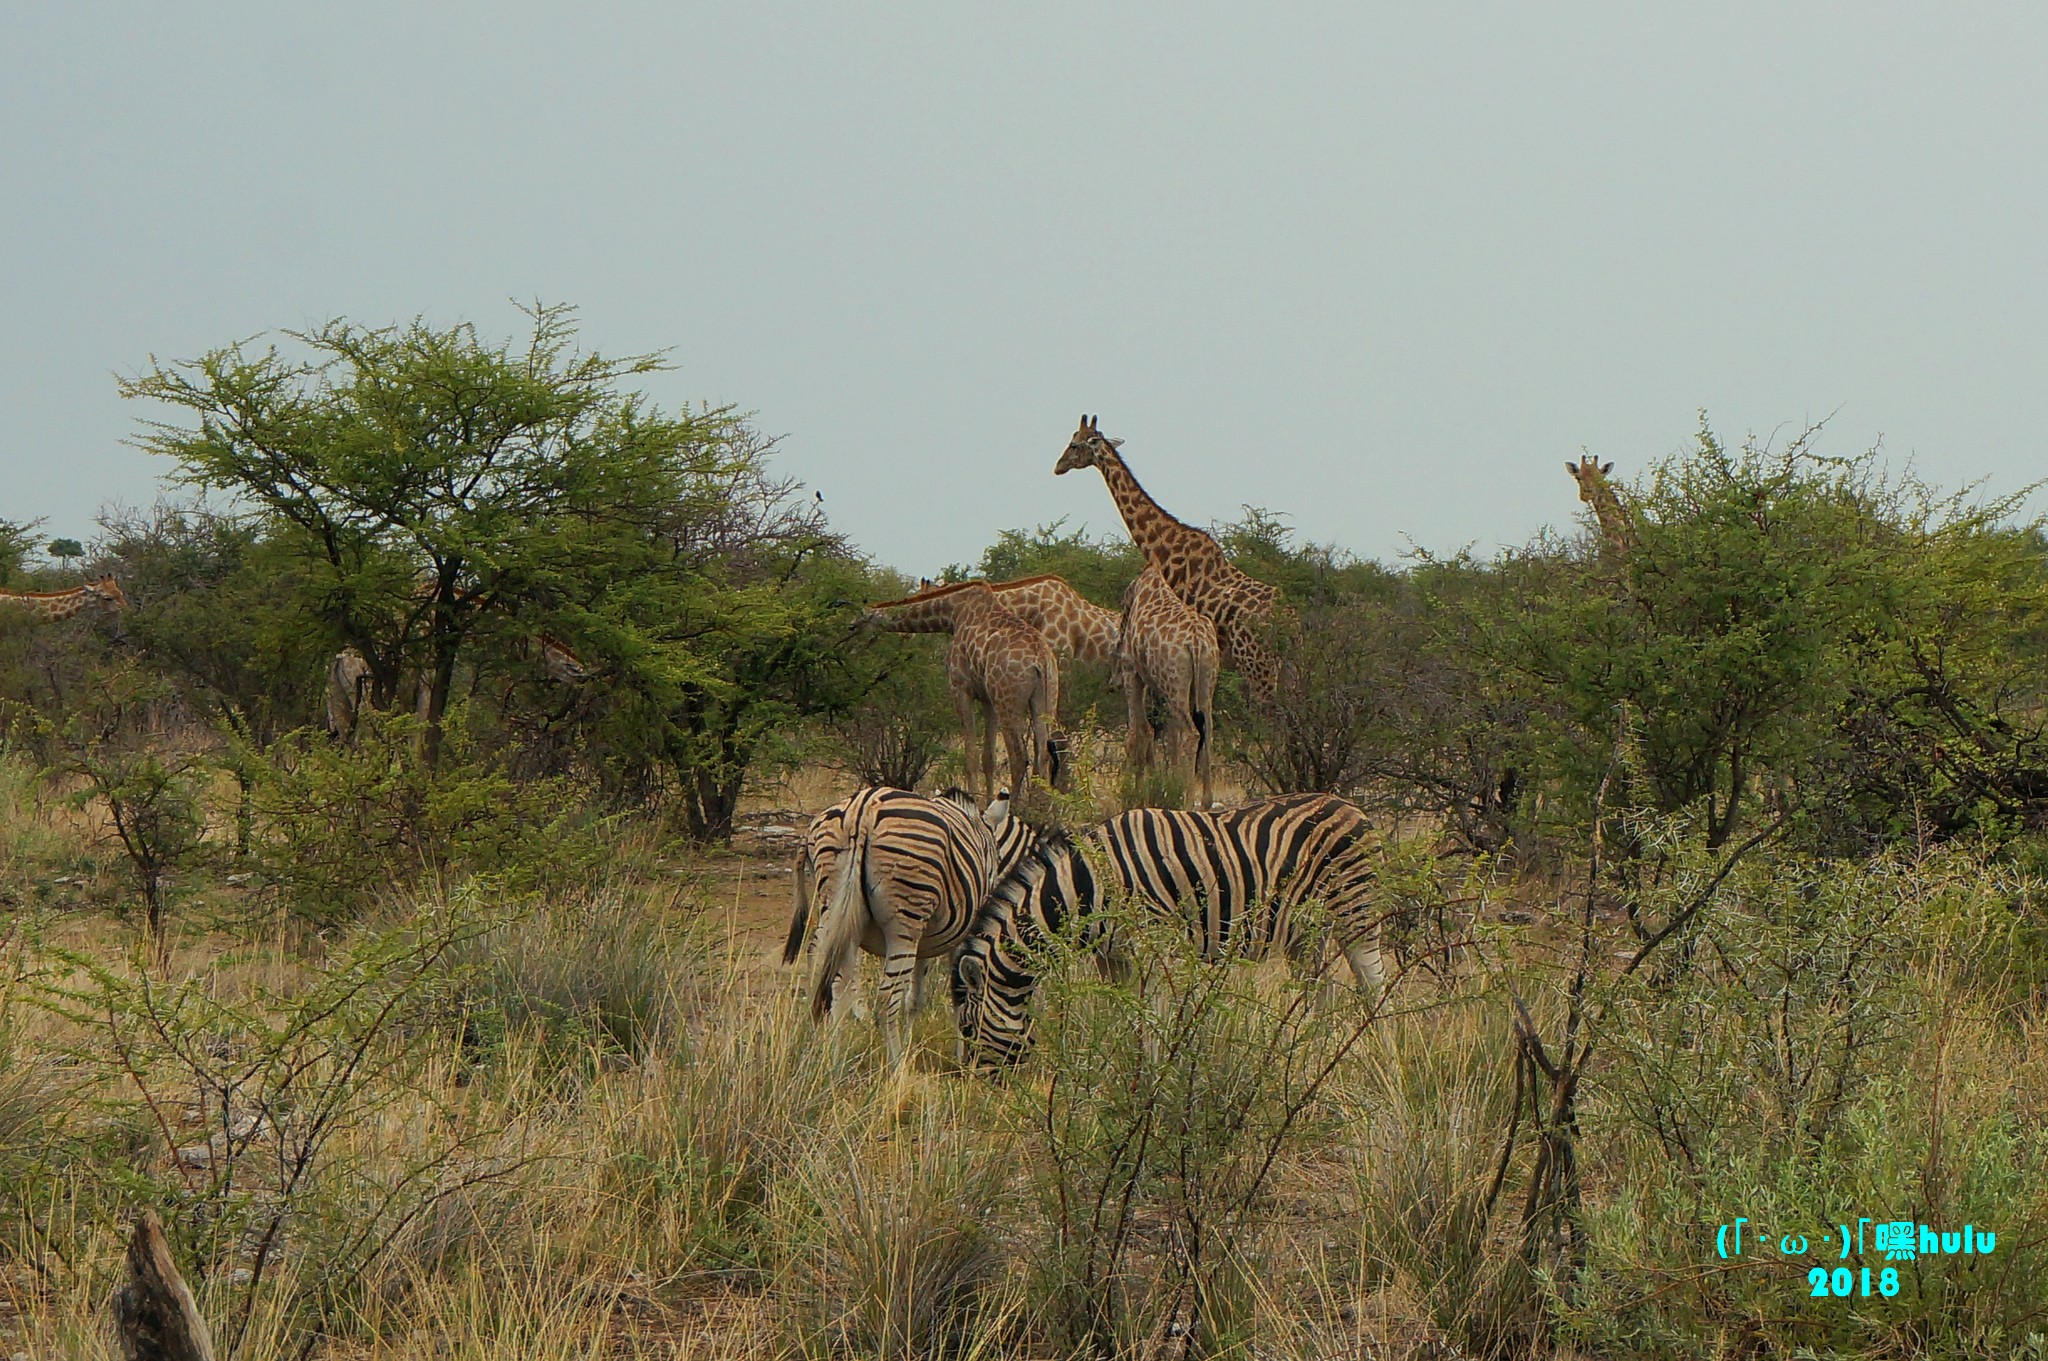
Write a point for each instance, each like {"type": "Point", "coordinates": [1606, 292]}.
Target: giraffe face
{"type": "Point", "coordinates": [107, 592]}
{"type": "Point", "coordinates": [1590, 476]}
{"type": "Point", "coordinates": [1086, 448]}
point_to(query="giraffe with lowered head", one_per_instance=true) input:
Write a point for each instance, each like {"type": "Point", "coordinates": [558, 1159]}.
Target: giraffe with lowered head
{"type": "Point", "coordinates": [1190, 560]}
{"type": "Point", "coordinates": [1169, 648]}
{"type": "Point", "coordinates": [55, 605]}
{"type": "Point", "coordinates": [1078, 629]}
{"type": "Point", "coordinates": [996, 661]}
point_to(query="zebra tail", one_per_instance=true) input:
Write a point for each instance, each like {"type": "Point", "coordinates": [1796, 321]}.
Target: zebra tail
{"type": "Point", "coordinates": [800, 913]}
{"type": "Point", "coordinates": [840, 925]}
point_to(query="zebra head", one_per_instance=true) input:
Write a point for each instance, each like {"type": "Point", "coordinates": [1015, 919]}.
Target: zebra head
{"type": "Point", "coordinates": [995, 972]}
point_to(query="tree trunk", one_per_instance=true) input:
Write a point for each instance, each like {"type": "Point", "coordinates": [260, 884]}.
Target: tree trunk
{"type": "Point", "coordinates": [155, 1318]}
{"type": "Point", "coordinates": [440, 679]}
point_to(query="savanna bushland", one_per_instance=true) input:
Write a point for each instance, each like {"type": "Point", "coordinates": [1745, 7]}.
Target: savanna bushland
{"type": "Point", "coordinates": [1708, 866]}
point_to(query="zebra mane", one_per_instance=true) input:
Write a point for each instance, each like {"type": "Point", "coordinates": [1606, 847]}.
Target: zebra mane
{"type": "Point", "coordinates": [953, 793]}
{"type": "Point", "coordinates": [1008, 891]}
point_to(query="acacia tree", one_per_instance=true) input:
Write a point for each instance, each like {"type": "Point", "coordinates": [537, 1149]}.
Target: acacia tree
{"type": "Point", "coordinates": [14, 545]}
{"type": "Point", "coordinates": [430, 474]}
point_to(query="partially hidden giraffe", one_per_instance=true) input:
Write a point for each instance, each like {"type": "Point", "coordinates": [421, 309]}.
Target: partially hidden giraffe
{"type": "Point", "coordinates": [1078, 629]}
{"type": "Point", "coordinates": [998, 662]}
{"type": "Point", "coordinates": [1169, 648]}
{"type": "Point", "coordinates": [1617, 527]}
{"type": "Point", "coordinates": [558, 661]}
{"type": "Point", "coordinates": [52, 606]}
{"type": "Point", "coordinates": [1241, 607]}
{"type": "Point", "coordinates": [1076, 626]}
{"type": "Point", "coordinates": [348, 690]}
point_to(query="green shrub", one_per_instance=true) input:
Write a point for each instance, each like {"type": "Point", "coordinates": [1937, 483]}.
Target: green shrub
{"type": "Point", "coordinates": [341, 827]}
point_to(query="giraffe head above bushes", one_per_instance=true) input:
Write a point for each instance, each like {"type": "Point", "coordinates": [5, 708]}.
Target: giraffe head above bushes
{"type": "Point", "coordinates": [1617, 530]}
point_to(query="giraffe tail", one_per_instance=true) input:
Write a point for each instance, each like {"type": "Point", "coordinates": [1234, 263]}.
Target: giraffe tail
{"type": "Point", "coordinates": [1045, 711]}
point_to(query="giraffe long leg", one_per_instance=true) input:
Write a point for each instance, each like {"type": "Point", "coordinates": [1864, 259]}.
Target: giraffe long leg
{"type": "Point", "coordinates": [963, 705]}
{"type": "Point", "coordinates": [1180, 726]}
{"type": "Point", "coordinates": [1015, 737]}
{"type": "Point", "coordinates": [988, 747]}
{"type": "Point", "coordinates": [1045, 712]}
{"type": "Point", "coordinates": [1202, 709]}
{"type": "Point", "coordinates": [1138, 740]}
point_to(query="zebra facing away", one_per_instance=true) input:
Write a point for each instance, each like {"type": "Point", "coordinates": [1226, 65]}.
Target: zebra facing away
{"type": "Point", "coordinates": [899, 875]}
{"type": "Point", "coordinates": [1238, 878]}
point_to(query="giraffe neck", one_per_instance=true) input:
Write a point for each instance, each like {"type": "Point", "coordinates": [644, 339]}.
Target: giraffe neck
{"type": "Point", "coordinates": [1152, 529]}
{"type": "Point", "coordinates": [1096, 633]}
{"type": "Point", "coordinates": [50, 604]}
{"type": "Point", "coordinates": [920, 614]}
{"type": "Point", "coordinates": [1613, 518]}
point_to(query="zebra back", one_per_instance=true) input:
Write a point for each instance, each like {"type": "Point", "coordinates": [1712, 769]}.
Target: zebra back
{"type": "Point", "coordinates": [1238, 878]}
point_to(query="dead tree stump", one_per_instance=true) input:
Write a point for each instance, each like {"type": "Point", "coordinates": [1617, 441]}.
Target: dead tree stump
{"type": "Point", "coordinates": [155, 1318]}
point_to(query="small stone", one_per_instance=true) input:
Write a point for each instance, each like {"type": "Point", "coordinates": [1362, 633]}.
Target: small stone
{"type": "Point", "coordinates": [241, 1275]}
{"type": "Point", "coordinates": [196, 1156]}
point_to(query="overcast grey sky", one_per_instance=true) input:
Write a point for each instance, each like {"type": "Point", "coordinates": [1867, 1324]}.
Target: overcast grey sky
{"type": "Point", "coordinates": [1380, 268]}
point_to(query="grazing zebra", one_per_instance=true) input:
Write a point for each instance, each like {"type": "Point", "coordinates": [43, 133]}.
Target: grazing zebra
{"type": "Point", "coordinates": [1239, 876]}
{"type": "Point", "coordinates": [899, 875]}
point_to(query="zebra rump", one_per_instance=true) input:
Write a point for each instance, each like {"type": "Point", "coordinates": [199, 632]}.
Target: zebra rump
{"type": "Point", "coordinates": [898, 874]}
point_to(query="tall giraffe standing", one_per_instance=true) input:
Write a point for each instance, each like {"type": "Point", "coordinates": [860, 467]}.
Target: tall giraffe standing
{"type": "Point", "coordinates": [1170, 649]}
{"type": "Point", "coordinates": [1191, 560]}
{"type": "Point", "coordinates": [52, 606]}
{"type": "Point", "coordinates": [996, 661]}
{"type": "Point", "coordinates": [1617, 527]}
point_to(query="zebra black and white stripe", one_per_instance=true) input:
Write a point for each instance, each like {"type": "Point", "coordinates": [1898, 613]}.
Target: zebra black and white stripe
{"type": "Point", "coordinates": [898, 874]}
{"type": "Point", "coordinates": [1239, 879]}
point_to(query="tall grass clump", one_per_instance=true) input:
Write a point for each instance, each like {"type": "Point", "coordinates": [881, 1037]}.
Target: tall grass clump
{"type": "Point", "coordinates": [1432, 1187]}
{"type": "Point", "coordinates": [892, 1224]}
{"type": "Point", "coordinates": [703, 1135]}
{"type": "Point", "coordinates": [602, 973]}
{"type": "Point", "coordinates": [1170, 1105]}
